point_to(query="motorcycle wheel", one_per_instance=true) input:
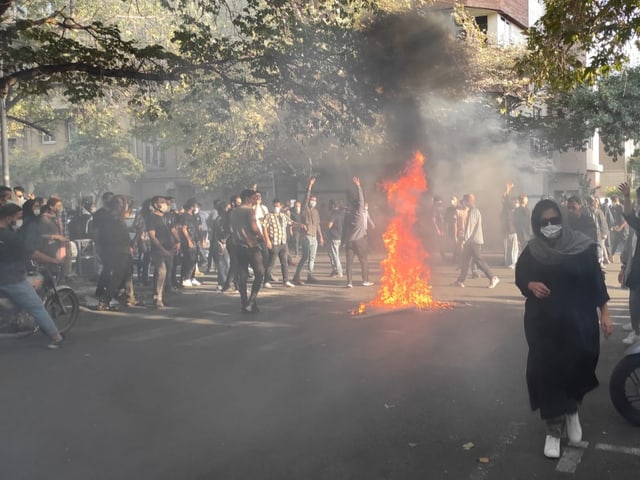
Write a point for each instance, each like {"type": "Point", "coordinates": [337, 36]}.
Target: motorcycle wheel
{"type": "Point", "coordinates": [624, 388]}
{"type": "Point", "coordinates": [63, 308]}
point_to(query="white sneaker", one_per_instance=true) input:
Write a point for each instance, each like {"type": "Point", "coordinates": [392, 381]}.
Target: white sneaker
{"type": "Point", "coordinates": [574, 430]}
{"type": "Point", "coordinates": [289, 284]}
{"type": "Point", "coordinates": [367, 284]}
{"type": "Point", "coordinates": [268, 285]}
{"type": "Point", "coordinates": [631, 338]}
{"type": "Point", "coordinates": [494, 281]}
{"type": "Point", "coordinates": [195, 283]}
{"type": "Point", "coordinates": [187, 283]}
{"type": "Point", "coordinates": [349, 285]}
{"type": "Point", "coordinates": [552, 447]}
{"type": "Point", "coordinates": [627, 327]}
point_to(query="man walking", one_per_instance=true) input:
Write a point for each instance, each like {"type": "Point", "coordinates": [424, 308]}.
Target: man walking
{"type": "Point", "coordinates": [164, 246]}
{"type": "Point", "coordinates": [247, 237]}
{"type": "Point", "coordinates": [472, 244]}
{"type": "Point", "coordinates": [334, 234]}
{"type": "Point", "coordinates": [312, 236]}
{"type": "Point", "coordinates": [355, 236]}
{"type": "Point", "coordinates": [275, 227]}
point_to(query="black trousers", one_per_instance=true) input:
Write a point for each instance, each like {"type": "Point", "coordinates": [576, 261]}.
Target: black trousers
{"type": "Point", "coordinates": [281, 252]}
{"type": "Point", "coordinates": [119, 269]}
{"type": "Point", "coordinates": [188, 266]}
{"type": "Point", "coordinates": [246, 257]}
{"type": "Point", "coordinates": [361, 249]}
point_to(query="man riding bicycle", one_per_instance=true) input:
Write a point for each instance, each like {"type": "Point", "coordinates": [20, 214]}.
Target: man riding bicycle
{"type": "Point", "coordinates": [13, 274]}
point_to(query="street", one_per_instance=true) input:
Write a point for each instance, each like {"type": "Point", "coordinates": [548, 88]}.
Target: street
{"type": "Point", "coordinates": [302, 390]}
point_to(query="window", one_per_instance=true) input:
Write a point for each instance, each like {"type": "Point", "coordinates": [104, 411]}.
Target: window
{"type": "Point", "coordinates": [13, 142]}
{"type": "Point", "coordinates": [154, 155]}
{"type": "Point", "coordinates": [48, 139]}
{"type": "Point", "coordinates": [483, 23]}
{"type": "Point", "coordinates": [72, 131]}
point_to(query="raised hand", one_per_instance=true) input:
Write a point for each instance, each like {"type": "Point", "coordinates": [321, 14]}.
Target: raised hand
{"type": "Point", "coordinates": [356, 180]}
{"type": "Point", "coordinates": [625, 189]}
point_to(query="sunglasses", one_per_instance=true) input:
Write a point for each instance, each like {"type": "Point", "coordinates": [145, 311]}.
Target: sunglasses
{"type": "Point", "coordinates": [550, 221]}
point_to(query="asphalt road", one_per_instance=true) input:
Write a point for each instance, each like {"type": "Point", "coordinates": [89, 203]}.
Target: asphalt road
{"type": "Point", "coordinates": [302, 390]}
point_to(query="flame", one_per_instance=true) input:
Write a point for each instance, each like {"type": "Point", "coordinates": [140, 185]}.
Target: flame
{"type": "Point", "coordinates": [405, 274]}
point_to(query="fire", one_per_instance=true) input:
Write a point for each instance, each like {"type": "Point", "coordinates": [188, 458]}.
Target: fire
{"type": "Point", "coordinates": [405, 274]}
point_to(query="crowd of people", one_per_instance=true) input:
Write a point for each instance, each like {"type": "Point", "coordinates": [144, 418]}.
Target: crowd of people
{"type": "Point", "coordinates": [166, 245]}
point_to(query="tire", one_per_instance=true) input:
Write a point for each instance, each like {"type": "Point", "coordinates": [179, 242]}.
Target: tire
{"type": "Point", "coordinates": [66, 298]}
{"type": "Point", "coordinates": [624, 388]}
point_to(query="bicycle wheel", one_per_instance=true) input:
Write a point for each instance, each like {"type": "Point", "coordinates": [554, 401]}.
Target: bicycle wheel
{"type": "Point", "coordinates": [63, 307]}
{"type": "Point", "coordinates": [624, 388]}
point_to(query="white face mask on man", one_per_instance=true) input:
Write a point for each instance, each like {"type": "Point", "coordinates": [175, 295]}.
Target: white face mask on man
{"type": "Point", "coordinates": [312, 204]}
{"type": "Point", "coordinates": [276, 209]}
{"type": "Point", "coordinates": [551, 231]}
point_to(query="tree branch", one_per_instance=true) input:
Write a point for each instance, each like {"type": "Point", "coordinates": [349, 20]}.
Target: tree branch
{"type": "Point", "coordinates": [29, 124]}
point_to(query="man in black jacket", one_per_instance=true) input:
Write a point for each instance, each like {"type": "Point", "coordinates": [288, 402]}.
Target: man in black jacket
{"type": "Point", "coordinates": [354, 236]}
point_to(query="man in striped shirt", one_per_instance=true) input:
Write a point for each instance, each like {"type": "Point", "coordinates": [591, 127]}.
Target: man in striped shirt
{"type": "Point", "coordinates": [275, 227]}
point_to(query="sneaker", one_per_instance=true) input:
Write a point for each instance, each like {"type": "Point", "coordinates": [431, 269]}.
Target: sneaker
{"type": "Point", "coordinates": [312, 279]}
{"type": "Point", "coordinates": [56, 344]}
{"type": "Point", "coordinates": [574, 430]}
{"type": "Point", "coordinates": [340, 275]}
{"type": "Point", "coordinates": [187, 283]}
{"type": "Point", "coordinates": [367, 284]}
{"type": "Point", "coordinates": [494, 281]}
{"type": "Point", "coordinates": [220, 288]}
{"type": "Point", "coordinates": [195, 283]}
{"type": "Point", "coordinates": [627, 327]}
{"type": "Point", "coordinates": [297, 281]}
{"type": "Point", "coordinates": [289, 284]}
{"type": "Point", "coordinates": [247, 309]}
{"type": "Point", "coordinates": [457, 283]}
{"type": "Point", "coordinates": [268, 285]}
{"type": "Point", "coordinates": [158, 304]}
{"type": "Point", "coordinates": [631, 338]}
{"type": "Point", "coordinates": [552, 447]}
{"type": "Point", "coordinates": [349, 285]}
{"type": "Point", "coordinates": [512, 266]}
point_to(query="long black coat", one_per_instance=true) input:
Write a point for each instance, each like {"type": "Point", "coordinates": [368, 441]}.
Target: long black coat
{"type": "Point", "coordinates": [562, 330]}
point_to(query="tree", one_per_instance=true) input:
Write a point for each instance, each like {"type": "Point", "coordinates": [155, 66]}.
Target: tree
{"type": "Point", "coordinates": [96, 158]}
{"type": "Point", "coordinates": [612, 108]}
{"type": "Point", "coordinates": [559, 41]}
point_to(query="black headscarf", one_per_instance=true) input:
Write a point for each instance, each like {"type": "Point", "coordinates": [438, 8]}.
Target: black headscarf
{"type": "Point", "coordinates": [554, 252]}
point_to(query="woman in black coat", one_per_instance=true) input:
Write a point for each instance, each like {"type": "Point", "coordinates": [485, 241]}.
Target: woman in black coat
{"type": "Point", "coordinates": [559, 274]}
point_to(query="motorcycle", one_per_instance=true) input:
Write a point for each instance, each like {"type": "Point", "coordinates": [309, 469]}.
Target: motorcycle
{"type": "Point", "coordinates": [624, 385]}
{"type": "Point", "coordinates": [60, 301]}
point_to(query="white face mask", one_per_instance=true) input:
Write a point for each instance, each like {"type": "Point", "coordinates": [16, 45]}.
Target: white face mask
{"type": "Point", "coordinates": [551, 231]}
{"type": "Point", "coordinates": [18, 223]}
{"type": "Point", "coordinates": [36, 212]}
{"type": "Point", "coordinates": [312, 204]}
{"type": "Point", "coordinates": [276, 209]}
{"type": "Point", "coordinates": [196, 211]}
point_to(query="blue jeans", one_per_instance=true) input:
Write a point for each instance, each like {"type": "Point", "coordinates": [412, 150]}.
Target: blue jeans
{"type": "Point", "coordinates": [26, 298]}
{"type": "Point", "coordinates": [309, 250]}
{"type": "Point", "coordinates": [223, 262]}
{"type": "Point", "coordinates": [334, 256]}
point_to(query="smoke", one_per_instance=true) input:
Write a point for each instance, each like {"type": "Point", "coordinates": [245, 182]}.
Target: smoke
{"type": "Point", "coordinates": [404, 56]}
{"type": "Point", "coordinates": [413, 71]}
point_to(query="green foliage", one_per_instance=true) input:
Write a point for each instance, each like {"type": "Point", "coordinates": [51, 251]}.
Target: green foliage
{"type": "Point", "coordinates": [613, 108]}
{"type": "Point", "coordinates": [568, 29]}
{"type": "Point", "coordinates": [96, 158]}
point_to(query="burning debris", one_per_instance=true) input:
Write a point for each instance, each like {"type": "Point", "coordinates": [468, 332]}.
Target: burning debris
{"type": "Point", "coordinates": [405, 273]}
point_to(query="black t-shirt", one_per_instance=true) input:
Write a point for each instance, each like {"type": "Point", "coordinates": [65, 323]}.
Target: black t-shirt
{"type": "Point", "coordinates": [193, 223]}
{"type": "Point", "coordinates": [336, 218]}
{"type": "Point", "coordinates": [12, 257]}
{"type": "Point", "coordinates": [162, 231]}
{"type": "Point", "coordinates": [114, 236]}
